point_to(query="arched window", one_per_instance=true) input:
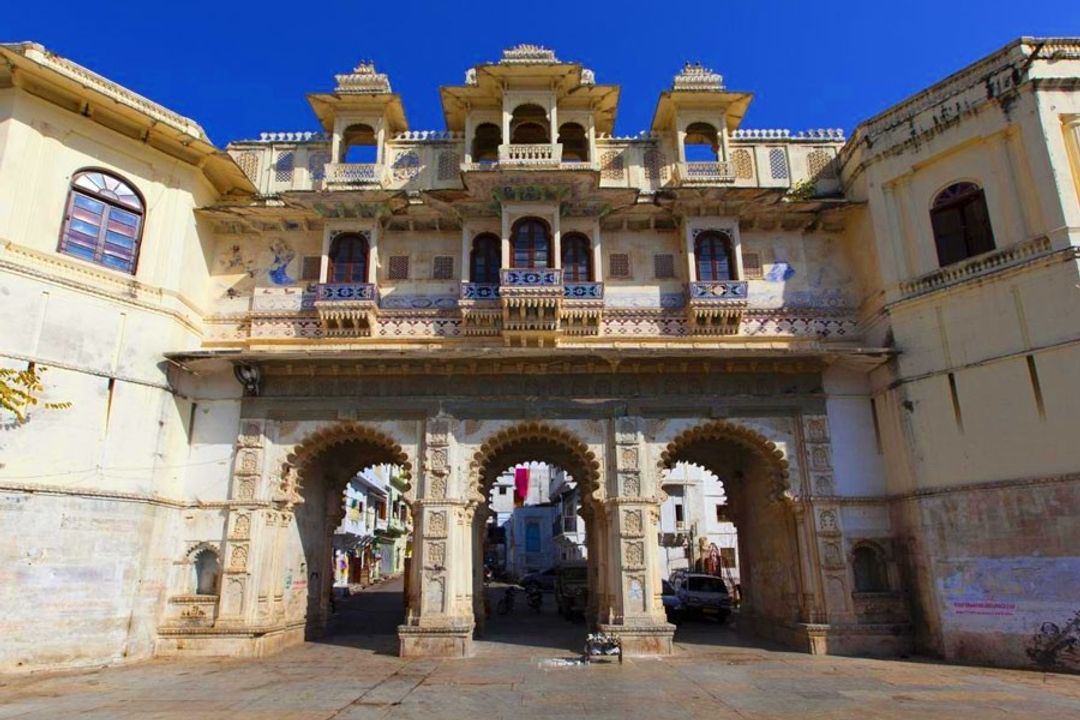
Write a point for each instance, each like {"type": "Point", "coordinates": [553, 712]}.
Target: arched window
{"type": "Point", "coordinates": [486, 142]}
{"type": "Point", "coordinates": [531, 243]}
{"type": "Point", "coordinates": [702, 143]}
{"type": "Point", "coordinates": [349, 259]}
{"type": "Point", "coordinates": [207, 569]}
{"type": "Point", "coordinates": [529, 125]}
{"type": "Point", "coordinates": [576, 258]}
{"type": "Point", "coordinates": [575, 143]}
{"type": "Point", "coordinates": [103, 221]}
{"type": "Point", "coordinates": [869, 568]}
{"type": "Point", "coordinates": [485, 258]}
{"type": "Point", "coordinates": [961, 223]}
{"type": "Point", "coordinates": [715, 260]}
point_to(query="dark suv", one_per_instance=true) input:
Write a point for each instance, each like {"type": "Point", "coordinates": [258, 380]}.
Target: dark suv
{"type": "Point", "coordinates": [705, 595]}
{"type": "Point", "coordinates": [571, 589]}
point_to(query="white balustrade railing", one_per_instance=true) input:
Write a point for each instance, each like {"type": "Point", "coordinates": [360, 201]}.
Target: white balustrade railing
{"type": "Point", "coordinates": [530, 154]}
{"type": "Point", "coordinates": [353, 173]}
{"type": "Point", "coordinates": [707, 172]}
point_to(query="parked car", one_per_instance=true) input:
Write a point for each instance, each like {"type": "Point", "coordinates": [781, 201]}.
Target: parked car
{"type": "Point", "coordinates": [572, 589]}
{"type": "Point", "coordinates": [703, 595]}
{"type": "Point", "coordinates": [544, 579]}
{"type": "Point", "coordinates": [672, 602]}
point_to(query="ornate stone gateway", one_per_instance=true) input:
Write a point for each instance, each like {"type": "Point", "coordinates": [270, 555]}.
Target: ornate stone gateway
{"type": "Point", "coordinates": [453, 427]}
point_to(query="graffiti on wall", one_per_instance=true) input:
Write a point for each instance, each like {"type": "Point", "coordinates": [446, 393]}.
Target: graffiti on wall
{"type": "Point", "coordinates": [1057, 647]}
{"type": "Point", "coordinates": [1017, 595]}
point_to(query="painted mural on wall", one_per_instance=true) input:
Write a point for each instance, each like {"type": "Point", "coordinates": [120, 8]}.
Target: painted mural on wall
{"type": "Point", "coordinates": [1037, 597]}
{"type": "Point", "coordinates": [282, 254]}
{"type": "Point", "coordinates": [801, 274]}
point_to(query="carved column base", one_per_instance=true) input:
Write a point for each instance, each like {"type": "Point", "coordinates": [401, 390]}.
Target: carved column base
{"type": "Point", "coordinates": [642, 640]}
{"type": "Point", "coordinates": [444, 641]}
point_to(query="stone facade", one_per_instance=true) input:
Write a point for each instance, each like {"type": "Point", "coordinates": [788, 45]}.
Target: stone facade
{"type": "Point", "coordinates": [894, 429]}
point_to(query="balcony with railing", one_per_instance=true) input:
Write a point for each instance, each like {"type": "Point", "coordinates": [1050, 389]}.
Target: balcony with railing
{"type": "Point", "coordinates": [530, 155]}
{"type": "Point", "coordinates": [347, 309]}
{"type": "Point", "coordinates": [530, 299]}
{"type": "Point", "coordinates": [709, 172]}
{"type": "Point", "coordinates": [715, 307]}
{"type": "Point", "coordinates": [582, 308]}
{"type": "Point", "coordinates": [338, 175]}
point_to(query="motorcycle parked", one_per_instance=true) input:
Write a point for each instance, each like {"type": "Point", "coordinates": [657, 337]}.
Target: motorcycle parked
{"type": "Point", "coordinates": [505, 606]}
{"type": "Point", "coordinates": [535, 597]}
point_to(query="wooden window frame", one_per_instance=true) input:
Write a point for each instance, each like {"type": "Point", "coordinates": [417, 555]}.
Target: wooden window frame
{"type": "Point", "coordinates": [489, 256]}
{"type": "Point", "coordinates": [528, 246]}
{"type": "Point", "coordinates": [577, 258]}
{"type": "Point", "coordinates": [707, 264]}
{"type": "Point", "coordinates": [110, 205]}
{"type": "Point", "coordinates": [348, 267]}
{"type": "Point", "coordinates": [964, 203]}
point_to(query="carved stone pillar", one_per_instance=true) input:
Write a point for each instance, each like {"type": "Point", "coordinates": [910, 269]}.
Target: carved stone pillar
{"type": "Point", "coordinates": [237, 604]}
{"type": "Point", "coordinates": [439, 619]}
{"type": "Point", "coordinates": [636, 612]}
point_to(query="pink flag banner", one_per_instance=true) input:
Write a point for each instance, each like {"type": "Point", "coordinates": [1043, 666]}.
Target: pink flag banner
{"type": "Point", "coordinates": [521, 485]}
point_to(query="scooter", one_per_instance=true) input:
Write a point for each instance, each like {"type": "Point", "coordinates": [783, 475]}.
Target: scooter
{"type": "Point", "coordinates": [535, 597]}
{"type": "Point", "coordinates": [505, 606]}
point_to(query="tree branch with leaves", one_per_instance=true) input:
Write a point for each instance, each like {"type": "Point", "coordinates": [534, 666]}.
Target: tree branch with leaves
{"type": "Point", "coordinates": [21, 390]}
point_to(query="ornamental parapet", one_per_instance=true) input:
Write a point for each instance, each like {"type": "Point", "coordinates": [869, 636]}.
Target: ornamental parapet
{"type": "Point", "coordinates": [980, 265]}
{"type": "Point", "coordinates": [347, 309]}
{"type": "Point", "coordinates": [716, 307]}
{"type": "Point", "coordinates": [531, 301]}
{"type": "Point", "coordinates": [480, 311]}
{"type": "Point", "coordinates": [353, 175]}
{"type": "Point", "coordinates": [583, 308]}
{"type": "Point", "coordinates": [706, 173]}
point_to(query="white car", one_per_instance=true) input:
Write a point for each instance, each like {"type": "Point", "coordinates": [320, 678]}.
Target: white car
{"type": "Point", "coordinates": [701, 594]}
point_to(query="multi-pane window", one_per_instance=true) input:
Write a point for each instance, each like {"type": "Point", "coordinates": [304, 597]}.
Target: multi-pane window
{"type": "Point", "coordinates": [531, 244]}
{"type": "Point", "coordinates": [576, 258]}
{"type": "Point", "coordinates": [349, 259]}
{"type": "Point", "coordinates": [485, 258]}
{"type": "Point", "coordinates": [103, 222]}
{"type": "Point", "coordinates": [712, 251]}
{"type": "Point", "coordinates": [311, 267]}
{"type": "Point", "coordinates": [961, 223]}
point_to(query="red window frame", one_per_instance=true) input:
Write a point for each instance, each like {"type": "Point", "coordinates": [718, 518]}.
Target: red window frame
{"type": "Point", "coordinates": [484, 259]}
{"type": "Point", "coordinates": [714, 257]}
{"type": "Point", "coordinates": [349, 259]}
{"type": "Point", "coordinates": [530, 242]}
{"type": "Point", "coordinates": [576, 258]}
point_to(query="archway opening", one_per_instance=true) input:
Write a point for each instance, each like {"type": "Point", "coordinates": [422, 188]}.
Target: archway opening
{"type": "Point", "coordinates": [701, 143]}
{"type": "Point", "coordinates": [535, 544]}
{"type": "Point", "coordinates": [353, 532]}
{"type": "Point", "coordinates": [529, 125]}
{"type": "Point", "coordinates": [730, 482]}
{"type": "Point", "coordinates": [359, 145]}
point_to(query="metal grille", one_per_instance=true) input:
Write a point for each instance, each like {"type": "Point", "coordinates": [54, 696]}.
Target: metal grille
{"type": "Point", "coordinates": [398, 268]}
{"type": "Point", "coordinates": [443, 267]}
{"type": "Point", "coordinates": [663, 266]}
{"type": "Point", "coordinates": [619, 265]}
{"type": "Point", "coordinates": [751, 263]}
{"type": "Point", "coordinates": [311, 268]}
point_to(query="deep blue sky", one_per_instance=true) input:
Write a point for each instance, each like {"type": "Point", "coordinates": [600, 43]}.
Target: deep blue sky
{"type": "Point", "coordinates": [239, 67]}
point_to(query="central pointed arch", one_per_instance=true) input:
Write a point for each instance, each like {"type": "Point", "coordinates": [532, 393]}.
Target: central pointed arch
{"type": "Point", "coordinates": [359, 444]}
{"type": "Point", "coordinates": [697, 446]}
{"type": "Point", "coordinates": [530, 441]}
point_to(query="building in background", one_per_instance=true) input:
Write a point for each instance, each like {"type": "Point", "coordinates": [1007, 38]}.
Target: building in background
{"type": "Point", "coordinates": [372, 540]}
{"type": "Point", "coordinates": [696, 531]}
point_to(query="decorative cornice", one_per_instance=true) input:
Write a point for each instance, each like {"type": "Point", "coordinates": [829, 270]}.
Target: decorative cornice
{"type": "Point", "coordinates": [91, 80]}
{"type": "Point", "coordinates": [526, 54]}
{"type": "Point", "coordinates": [363, 80]}
{"type": "Point", "coordinates": [695, 76]}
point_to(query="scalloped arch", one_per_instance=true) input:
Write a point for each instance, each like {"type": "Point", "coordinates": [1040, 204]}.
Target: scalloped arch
{"type": "Point", "coordinates": [745, 437]}
{"type": "Point", "coordinates": [577, 455]}
{"type": "Point", "coordinates": [321, 440]}
{"type": "Point", "coordinates": [195, 549]}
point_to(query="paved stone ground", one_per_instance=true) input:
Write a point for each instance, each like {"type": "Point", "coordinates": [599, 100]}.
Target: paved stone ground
{"type": "Point", "coordinates": [354, 675]}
